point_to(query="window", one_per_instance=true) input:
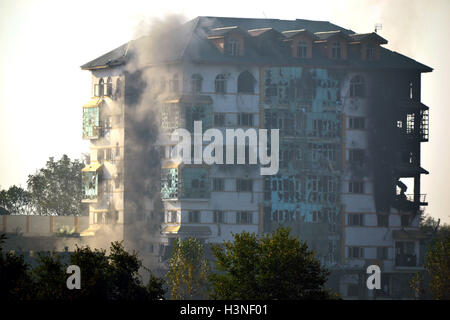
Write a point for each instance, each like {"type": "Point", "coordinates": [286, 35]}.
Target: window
{"type": "Point", "coordinates": [100, 155]}
{"type": "Point", "coordinates": [196, 83]}
{"type": "Point", "coordinates": [315, 216]}
{"type": "Point", "coordinates": [218, 216]}
{"type": "Point", "coordinates": [355, 219]}
{"type": "Point", "coordinates": [356, 156]}
{"type": "Point", "coordinates": [173, 84]}
{"type": "Point", "coordinates": [356, 187]}
{"type": "Point", "coordinates": [244, 217]}
{"type": "Point", "coordinates": [118, 88]}
{"type": "Point", "coordinates": [108, 154]}
{"type": "Point", "coordinates": [117, 180]}
{"type": "Point", "coordinates": [405, 220]}
{"type": "Point", "coordinates": [218, 184]}
{"type": "Point", "coordinates": [336, 50]}
{"type": "Point", "coordinates": [117, 149]}
{"type": "Point", "coordinates": [98, 88]}
{"type": "Point", "coordinates": [245, 119]}
{"type": "Point", "coordinates": [246, 83]}
{"type": "Point", "coordinates": [370, 52]}
{"type": "Point", "coordinates": [244, 185]}
{"type": "Point", "coordinates": [355, 252]}
{"type": "Point", "coordinates": [219, 119]}
{"type": "Point", "coordinates": [302, 49]}
{"type": "Point", "coordinates": [357, 87]}
{"type": "Point", "coordinates": [233, 47]}
{"type": "Point", "coordinates": [172, 217]}
{"type": "Point", "coordinates": [357, 123]}
{"type": "Point", "coordinates": [108, 87]}
{"type": "Point", "coordinates": [221, 83]}
{"type": "Point", "coordinates": [194, 216]}
{"type": "Point", "coordinates": [382, 253]}
{"type": "Point", "coordinates": [383, 220]}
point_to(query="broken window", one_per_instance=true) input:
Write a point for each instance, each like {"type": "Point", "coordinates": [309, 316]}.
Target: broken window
{"type": "Point", "coordinates": [336, 50]}
{"type": "Point", "coordinates": [221, 83]}
{"type": "Point", "coordinates": [302, 49]}
{"type": "Point", "coordinates": [196, 83]}
{"type": "Point", "coordinates": [357, 87]}
{"type": "Point", "coordinates": [246, 83]}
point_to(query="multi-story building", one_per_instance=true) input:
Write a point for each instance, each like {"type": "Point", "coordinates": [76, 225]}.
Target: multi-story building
{"type": "Point", "coordinates": [350, 124]}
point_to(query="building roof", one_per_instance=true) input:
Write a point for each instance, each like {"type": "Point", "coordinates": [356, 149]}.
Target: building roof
{"type": "Point", "coordinates": [192, 44]}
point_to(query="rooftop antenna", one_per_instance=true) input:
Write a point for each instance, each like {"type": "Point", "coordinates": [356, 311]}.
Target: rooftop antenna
{"type": "Point", "coordinates": [264, 15]}
{"type": "Point", "coordinates": [378, 26]}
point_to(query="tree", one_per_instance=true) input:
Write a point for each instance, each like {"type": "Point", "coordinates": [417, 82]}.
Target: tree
{"type": "Point", "coordinates": [15, 279]}
{"type": "Point", "coordinates": [16, 200]}
{"type": "Point", "coordinates": [56, 189]}
{"type": "Point", "coordinates": [103, 277]}
{"type": "Point", "coordinates": [438, 267]}
{"type": "Point", "coordinates": [274, 266]}
{"type": "Point", "coordinates": [188, 270]}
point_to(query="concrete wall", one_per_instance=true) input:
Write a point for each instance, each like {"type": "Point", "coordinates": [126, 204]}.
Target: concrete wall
{"type": "Point", "coordinates": [42, 225]}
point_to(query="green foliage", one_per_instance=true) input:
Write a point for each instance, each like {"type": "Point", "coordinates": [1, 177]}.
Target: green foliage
{"type": "Point", "coordinates": [16, 200]}
{"type": "Point", "coordinates": [56, 189]}
{"type": "Point", "coordinates": [273, 266]}
{"type": "Point", "coordinates": [188, 270]}
{"type": "Point", "coordinates": [15, 280]}
{"type": "Point", "coordinates": [438, 267]}
{"type": "Point", "coordinates": [103, 277]}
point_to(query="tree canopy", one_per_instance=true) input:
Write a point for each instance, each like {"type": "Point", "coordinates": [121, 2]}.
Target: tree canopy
{"type": "Point", "coordinates": [188, 270]}
{"type": "Point", "coordinates": [103, 277]}
{"type": "Point", "coordinates": [275, 266]}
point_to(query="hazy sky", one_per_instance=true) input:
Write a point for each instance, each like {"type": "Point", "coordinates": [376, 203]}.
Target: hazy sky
{"type": "Point", "coordinates": [43, 43]}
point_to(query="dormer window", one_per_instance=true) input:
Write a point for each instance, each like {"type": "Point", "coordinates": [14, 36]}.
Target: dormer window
{"type": "Point", "coordinates": [108, 87]}
{"type": "Point", "coordinates": [99, 88]}
{"type": "Point", "coordinates": [370, 52]}
{"type": "Point", "coordinates": [173, 84]}
{"type": "Point", "coordinates": [302, 49]}
{"type": "Point", "coordinates": [196, 83]}
{"type": "Point", "coordinates": [336, 50]}
{"type": "Point", "coordinates": [233, 47]}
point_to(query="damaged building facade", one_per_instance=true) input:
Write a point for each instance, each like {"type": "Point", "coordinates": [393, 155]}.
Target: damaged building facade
{"type": "Point", "coordinates": [350, 121]}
